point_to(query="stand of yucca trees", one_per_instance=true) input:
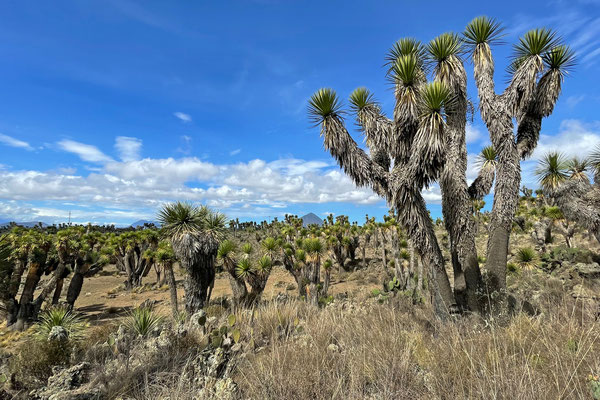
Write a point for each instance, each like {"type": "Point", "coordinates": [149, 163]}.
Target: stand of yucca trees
{"type": "Point", "coordinates": [425, 143]}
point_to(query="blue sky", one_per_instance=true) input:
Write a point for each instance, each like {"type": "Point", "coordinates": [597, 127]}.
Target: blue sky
{"type": "Point", "coordinates": [110, 108]}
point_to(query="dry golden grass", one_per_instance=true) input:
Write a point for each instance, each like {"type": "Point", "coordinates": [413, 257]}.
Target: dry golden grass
{"type": "Point", "coordinates": [385, 352]}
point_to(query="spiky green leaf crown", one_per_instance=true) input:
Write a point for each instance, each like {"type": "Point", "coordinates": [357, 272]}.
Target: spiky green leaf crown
{"type": "Point", "coordinates": [244, 268]}
{"type": "Point", "coordinates": [536, 42]}
{"type": "Point", "coordinates": [482, 30]}
{"type": "Point", "coordinates": [360, 98]}
{"type": "Point", "coordinates": [487, 157]}
{"type": "Point", "coordinates": [403, 47]}
{"type": "Point", "coordinates": [552, 170]}
{"type": "Point", "coordinates": [265, 263]}
{"type": "Point", "coordinates": [443, 47]}
{"type": "Point", "coordinates": [594, 159]}
{"type": "Point", "coordinates": [405, 70]}
{"type": "Point", "coordinates": [225, 249]}
{"type": "Point", "coordinates": [435, 96]}
{"type": "Point", "coordinates": [560, 57]}
{"type": "Point", "coordinates": [323, 104]}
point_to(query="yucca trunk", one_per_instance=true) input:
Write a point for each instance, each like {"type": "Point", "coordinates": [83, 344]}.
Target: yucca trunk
{"type": "Point", "coordinates": [506, 199]}
{"type": "Point", "coordinates": [170, 278]}
{"type": "Point", "coordinates": [419, 227]}
{"type": "Point", "coordinates": [26, 308]}
{"type": "Point", "coordinates": [238, 289]}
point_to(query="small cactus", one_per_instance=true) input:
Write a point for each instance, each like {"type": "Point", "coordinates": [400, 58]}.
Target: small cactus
{"type": "Point", "coordinates": [594, 382]}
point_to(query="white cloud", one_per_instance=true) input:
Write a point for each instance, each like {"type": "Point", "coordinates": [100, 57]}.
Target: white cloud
{"type": "Point", "coordinates": [253, 189]}
{"type": "Point", "coordinates": [12, 142]}
{"type": "Point", "coordinates": [473, 134]}
{"type": "Point", "coordinates": [574, 138]}
{"type": "Point", "coordinates": [234, 152]}
{"type": "Point", "coordinates": [183, 116]}
{"type": "Point", "coordinates": [129, 148]}
{"type": "Point", "coordinates": [85, 151]}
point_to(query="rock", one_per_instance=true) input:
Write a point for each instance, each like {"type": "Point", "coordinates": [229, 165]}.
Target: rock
{"type": "Point", "coordinates": [581, 291]}
{"type": "Point", "coordinates": [58, 333]}
{"type": "Point", "coordinates": [333, 348]}
{"type": "Point", "coordinates": [590, 271]}
{"type": "Point", "coordinates": [69, 384]}
{"type": "Point", "coordinates": [198, 320]}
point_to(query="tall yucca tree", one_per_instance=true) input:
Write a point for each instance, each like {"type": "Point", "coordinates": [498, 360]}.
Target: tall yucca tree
{"type": "Point", "coordinates": [567, 184]}
{"type": "Point", "coordinates": [195, 234]}
{"type": "Point", "coordinates": [425, 142]}
{"type": "Point", "coordinates": [538, 68]}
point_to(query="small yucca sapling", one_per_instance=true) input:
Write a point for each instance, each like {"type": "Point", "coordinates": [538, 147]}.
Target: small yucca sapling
{"type": "Point", "coordinates": [527, 258]}
{"type": "Point", "coordinates": [61, 316]}
{"type": "Point", "coordinates": [143, 320]}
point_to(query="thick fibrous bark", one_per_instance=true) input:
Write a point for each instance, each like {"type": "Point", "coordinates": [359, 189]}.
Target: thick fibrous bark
{"type": "Point", "coordinates": [482, 185]}
{"type": "Point", "coordinates": [170, 277]}
{"type": "Point", "coordinates": [579, 202]}
{"type": "Point", "coordinates": [457, 206]}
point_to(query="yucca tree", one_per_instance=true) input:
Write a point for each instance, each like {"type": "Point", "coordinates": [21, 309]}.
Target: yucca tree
{"type": "Point", "coordinates": [226, 254]}
{"type": "Point", "coordinates": [426, 142]}
{"type": "Point", "coordinates": [165, 258]}
{"type": "Point", "coordinates": [538, 67]}
{"type": "Point", "coordinates": [195, 234]}
{"type": "Point", "coordinates": [572, 192]}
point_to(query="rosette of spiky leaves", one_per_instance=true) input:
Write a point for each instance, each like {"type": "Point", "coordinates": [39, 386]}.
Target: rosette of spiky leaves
{"type": "Point", "coordinates": [192, 228]}
{"type": "Point", "coordinates": [143, 320]}
{"type": "Point", "coordinates": [429, 143]}
{"type": "Point", "coordinates": [479, 35]}
{"type": "Point", "coordinates": [247, 249]}
{"type": "Point", "coordinates": [375, 126]}
{"type": "Point", "coordinates": [323, 104]}
{"type": "Point", "coordinates": [164, 253]}
{"type": "Point", "coordinates": [526, 65]}
{"type": "Point", "coordinates": [313, 248]}
{"type": "Point", "coordinates": [61, 316]}
{"type": "Point", "coordinates": [526, 257]}
{"type": "Point", "coordinates": [559, 61]}
{"type": "Point", "coordinates": [408, 77]}
{"type": "Point", "coordinates": [300, 255]}
{"type": "Point", "coordinates": [264, 265]}
{"type": "Point", "coordinates": [269, 245]}
{"type": "Point", "coordinates": [594, 160]}
{"type": "Point", "coordinates": [181, 218]}
{"type": "Point", "coordinates": [325, 109]}
{"type": "Point", "coordinates": [404, 254]}
{"type": "Point", "coordinates": [578, 168]}
{"type": "Point", "coordinates": [226, 253]}
{"type": "Point", "coordinates": [403, 47]}
{"type": "Point", "coordinates": [443, 53]}
{"type": "Point", "coordinates": [554, 213]}
{"type": "Point", "coordinates": [244, 268]}
{"type": "Point", "coordinates": [487, 158]}
{"type": "Point", "coordinates": [486, 161]}
{"type": "Point", "coordinates": [327, 265]}
{"type": "Point", "coordinates": [552, 170]}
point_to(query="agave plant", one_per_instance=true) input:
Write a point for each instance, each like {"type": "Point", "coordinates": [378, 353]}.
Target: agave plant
{"type": "Point", "coordinates": [73, 324]}
{"type": "Point", "coordinates": [526, 258]}
{"type": "Point", "coordinates": [143, 321]}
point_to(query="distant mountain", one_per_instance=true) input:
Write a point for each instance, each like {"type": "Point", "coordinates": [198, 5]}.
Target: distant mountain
{"type": "Point", "coordinates": [311, 219]}
{"type": "Point", "coordinates": [141, 222]}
